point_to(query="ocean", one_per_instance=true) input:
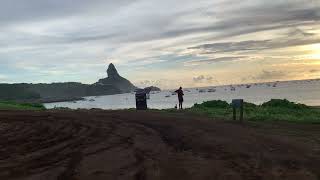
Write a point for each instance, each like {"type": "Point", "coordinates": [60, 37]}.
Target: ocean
{"type": "Point", "coordinates": [304, 91]}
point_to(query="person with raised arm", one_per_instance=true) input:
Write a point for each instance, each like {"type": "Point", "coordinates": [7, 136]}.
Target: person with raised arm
{"type": "Point", "coordinates": [180, 96]}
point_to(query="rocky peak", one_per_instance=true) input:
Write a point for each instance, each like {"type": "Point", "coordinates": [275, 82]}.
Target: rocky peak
{"type": "Point", "coordinates": [112, 71]}
{"type": "Point", "coordinates": [116, 81]}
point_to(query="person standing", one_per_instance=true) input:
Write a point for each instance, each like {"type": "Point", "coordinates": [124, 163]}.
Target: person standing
{"type": "Point", "coordinates": [180, 97]}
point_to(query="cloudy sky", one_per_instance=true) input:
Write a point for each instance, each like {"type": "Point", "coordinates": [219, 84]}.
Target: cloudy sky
{"type": "Point", "coordinates": [167, 43]}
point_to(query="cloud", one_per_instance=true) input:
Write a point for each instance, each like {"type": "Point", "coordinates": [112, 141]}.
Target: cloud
{"type": "Point", "coordinates": [294, 37]}
{"type": "Point", "coordinates": [266, 75]}
{"type": "Point", "coordinates": [202, 79]}
{"type": "Point", "coordinates": [271, 75]}
{"type": "Point", "coordinates": [147, 83]}
{"type": "Point", "coordinates": [15, 11]}
{"type": "Point", "coordinates": [199, 78]}
{"type": "Point", "coordinates": [215, 60]}
{"type": "Point", "coordinates": [2, 77]}
{"type": "Point", "coordinates": [59, 37]}
{"type": "Point", "coordinates": [314, 71]}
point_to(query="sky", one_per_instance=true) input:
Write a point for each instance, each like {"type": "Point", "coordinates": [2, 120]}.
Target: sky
{"type": "Point", "coordinates": [167, 43]}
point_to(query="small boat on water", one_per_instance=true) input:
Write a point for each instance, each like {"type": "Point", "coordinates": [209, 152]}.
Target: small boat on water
{"type": "Point", "coordinates": [232, 88]}
{"type": "Point", "coordinates": [248, 86]}
{"type": "Point", "coordinates": [212, 90]}
{"type": "Point", "coordinates": [91, 100]}
{"type": "Point", "coordinates": [202, 91]}
{"type": "Point", "coordinates": [167, 96]}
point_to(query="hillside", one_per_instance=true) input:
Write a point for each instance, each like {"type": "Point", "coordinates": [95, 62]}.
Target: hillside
{"type": "Point", "coordinates": [54, 92]}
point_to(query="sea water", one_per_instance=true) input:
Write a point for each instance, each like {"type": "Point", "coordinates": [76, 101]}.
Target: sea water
{"type": "Point", "coordinates": [306, 92]}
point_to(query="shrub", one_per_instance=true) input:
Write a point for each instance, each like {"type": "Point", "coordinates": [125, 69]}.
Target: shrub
{"type": "Point", "coordinates": [249, 105]}
{"type": "Point", "coordinates": [283, 103]}
{"type": "Point", "coordinates": [213, 104]}
{"type": "Point", "coordinates": [273, 110]}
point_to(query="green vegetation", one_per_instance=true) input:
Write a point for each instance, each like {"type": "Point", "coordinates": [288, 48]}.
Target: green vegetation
{"type": "Point", "coordinates": [273, 110]}
{"type": "Point", "coordinates": [6, 105]}
{"type": "Point", "coordinates": [53, 92]}
{"type": "Point", "coordinates": [17, 92]}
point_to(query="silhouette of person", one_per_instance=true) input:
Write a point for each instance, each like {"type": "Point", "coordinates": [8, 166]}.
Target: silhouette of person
{"type": "Point", "coordinates": [180, 97]}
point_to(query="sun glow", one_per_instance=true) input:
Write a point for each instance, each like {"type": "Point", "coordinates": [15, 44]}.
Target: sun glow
{"type": "Point", "coordinates": [315, 51]}
{"type": "Point", "coordinates": [311, 53]}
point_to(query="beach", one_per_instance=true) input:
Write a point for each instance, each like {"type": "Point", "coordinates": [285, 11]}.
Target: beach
{"type": "Point", "coordinates": [99, 144]}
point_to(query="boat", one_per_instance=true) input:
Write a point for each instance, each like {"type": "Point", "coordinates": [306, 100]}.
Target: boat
{"type": "Point", "coordinates": [212, 90]}
{"type": "Point", "coordinates": [167, 96]}
{"type": "Point", "coordinates": [91, 100]}
{"type": "Point", "coordinates": [202, 91]}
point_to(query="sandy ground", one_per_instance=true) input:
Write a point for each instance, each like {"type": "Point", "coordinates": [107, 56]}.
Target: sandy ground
{"type": "Point", "coordinates": [94, 145]}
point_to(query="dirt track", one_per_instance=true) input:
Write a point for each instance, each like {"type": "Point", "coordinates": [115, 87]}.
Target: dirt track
{"type": "Point", "coordinates": [113, 145]}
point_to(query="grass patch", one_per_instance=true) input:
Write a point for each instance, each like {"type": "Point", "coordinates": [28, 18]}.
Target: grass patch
{"type": "Point", "coordinates": [273, 110]}
{"type": "Point", "coordinates": [7, 105]}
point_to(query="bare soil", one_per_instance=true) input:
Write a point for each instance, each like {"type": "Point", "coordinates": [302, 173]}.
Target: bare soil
{"type": "Point", "coordinates": [94, 145]}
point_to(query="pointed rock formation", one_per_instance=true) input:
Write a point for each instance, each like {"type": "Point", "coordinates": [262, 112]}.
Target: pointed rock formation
{"type": "Point", "coordinates": [115, 80]}
{"type": "Point", "coordinates": [112, 71]}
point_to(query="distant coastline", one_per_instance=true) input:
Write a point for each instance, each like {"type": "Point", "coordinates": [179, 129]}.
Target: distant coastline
{"type": "Point", "coordinates": [68, 91]}
{"type": "Point", "coordinates": [74, 91]}
{"type": "Point", "coordinates": [250, 83]}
